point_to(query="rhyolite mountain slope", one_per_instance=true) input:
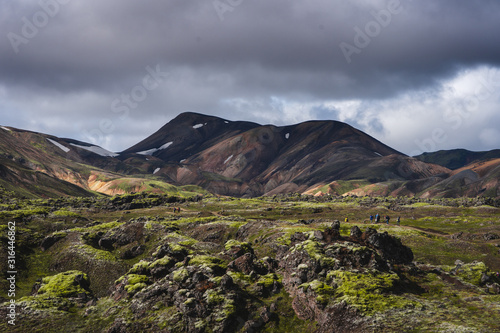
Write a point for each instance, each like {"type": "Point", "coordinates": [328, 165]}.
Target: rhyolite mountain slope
{"type": "Point", "coordinates": [187, 134]}
{"type": "Point", "coordinates": [246, 159]}
{"type": "Point", "coordinates": [40, 165]}
{"type": "Point", "coordinates": [457, 158]}
{"type": "Point", "coordinates": [238, 158]}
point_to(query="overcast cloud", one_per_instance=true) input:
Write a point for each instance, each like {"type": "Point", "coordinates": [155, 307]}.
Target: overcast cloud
{"type": "Point", "coordinates": [417, 75]}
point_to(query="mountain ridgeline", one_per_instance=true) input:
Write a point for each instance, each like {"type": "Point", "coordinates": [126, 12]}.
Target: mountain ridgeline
{"type": "Point", "coordinates": [195, 153]}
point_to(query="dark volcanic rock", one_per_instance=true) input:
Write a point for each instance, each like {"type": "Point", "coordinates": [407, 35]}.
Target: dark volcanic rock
{"type": "Point", "coordinates": [389, 247]}
{"type": "Point", "coordinates": [51, 240]}
{"type": "Point", "coordinates": [356, 232]}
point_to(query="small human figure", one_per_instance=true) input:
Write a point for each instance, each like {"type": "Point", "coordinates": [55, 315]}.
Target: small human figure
{"type": "Point", "coordinates": [346, 219]}
{"type": "Point", "coordinates": [377, 218]}
{"type": "Point", "coordinates": [371, 218]}
{"type": "Point", "coordinates": [387, 219]}
{"type": "Point", "coordinates": [398, 220]}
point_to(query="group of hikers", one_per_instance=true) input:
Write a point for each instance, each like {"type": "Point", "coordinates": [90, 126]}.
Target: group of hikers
{"type": "Point", "coordinates": [377, 219]}
{"type": "Point", "coordinates": [387, 218]}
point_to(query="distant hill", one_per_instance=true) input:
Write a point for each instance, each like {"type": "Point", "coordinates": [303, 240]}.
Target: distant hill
{"type": "Point", "coordinates": [39, 165]}
{"type": "Point", "coordinates": [457, 158]}
{"type": "Point", "coordinates": [241, 158]}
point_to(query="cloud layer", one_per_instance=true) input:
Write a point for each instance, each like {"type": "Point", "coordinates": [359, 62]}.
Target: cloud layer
{"type": "Point", "coordinates": [417, 75]}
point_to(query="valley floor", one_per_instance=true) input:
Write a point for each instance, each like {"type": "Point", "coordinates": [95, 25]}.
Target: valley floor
{"type": "Point", "coordinates": [153, 263]}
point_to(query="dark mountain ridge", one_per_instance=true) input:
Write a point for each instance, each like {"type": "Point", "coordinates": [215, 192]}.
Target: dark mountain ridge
{"type": "Point", "coordinates": [457, 158]}
{"type": "Point", "coordinates": [240, 158]}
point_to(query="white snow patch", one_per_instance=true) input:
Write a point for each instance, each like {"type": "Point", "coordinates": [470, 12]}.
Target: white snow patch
{"type": "Point", "coordinates": [58, 145]}
{"type": "Point", "coordinates": [97, 150]}
{"type": "Point", "coordinates": [156, 170]}
{"type": "Point", "coordinates": [182, 161]}
{"type": "Point", "coordinates": [377, 153]}
{"type": "Point", "coordinates": [5, 128]}
{"type": "Point", "coordinates": [149, 152]}
{"type": "Point", "coordinates": [198, 126]}
{"type": "Point", "coordinates": [287, 136]}
{"type": "Point", "coordinates": [227, 159]}
{"type": "Point", "coordinates": [166, 145]}
{"type": "Point", "coordinates": [226, 122]}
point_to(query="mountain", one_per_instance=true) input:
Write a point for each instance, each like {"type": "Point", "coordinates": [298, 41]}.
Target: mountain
{"type": "Point", "coordinates": [242, 159]}
{"type": "Point", "coordinates": [457, 158]}
{"type": "Point", "coordinates": [40, 165]}
{"type": "Point", "coordinates": [247, 159]}
{"type": "Point", "coordinates": [478, 178]}
{"type": "Point", "coordinates": [186, 135]}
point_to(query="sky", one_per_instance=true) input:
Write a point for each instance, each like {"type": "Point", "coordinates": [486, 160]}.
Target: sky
{"type": "Point", "coordinates": [417, 75]}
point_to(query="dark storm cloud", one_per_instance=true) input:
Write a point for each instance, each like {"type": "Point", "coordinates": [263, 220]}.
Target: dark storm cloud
{"type": "Point", "coordinates": [220, 51]}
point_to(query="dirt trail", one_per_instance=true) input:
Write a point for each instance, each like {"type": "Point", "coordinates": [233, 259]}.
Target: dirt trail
{"type": "Point", "coordinates": [217, 214]}
{"type": "Point", "coordinates": [428, 231]}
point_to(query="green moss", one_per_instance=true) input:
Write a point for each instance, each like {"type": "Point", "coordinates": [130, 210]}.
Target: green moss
{"type": "Point", "coordinates": [315, 251]}
{"type": "Point", "coordinates": [96, 253]}
{"type": "Point", "coordinates": [59, 234]}
{"type": "Point", "coordinates": [133, 288]}
{"type": "Point", "coordinates": [289, 231]}
{"type": "Point", "coordinates": [141, 266]}
{"type": "Point", "coordinates": [52, 304]}
{"type": "Point", "coordinates": [472, 272]}
{"type": "Point", "coordinates": [228, 310]}
{"type": "Point", "coordinates": [213, 297]}
{"type": "Point", "coordinates": [190, 301]}
{"type": "Point", "coordinates": [135, 282]}
{"type": "Point", "coordinates": [245, 246]}
{"type": "Point", "coordinates": [189, 242]}
{"type": "Point", "coordinates": [66, 213]}
{"type": "Point", "coordinates": [100, 227]}
{"type": "Point", "coordinates": [165, 261]}
{"type": "Point", "coordinates": [135, 278]}
{"type": "Point", "coordinates": [24, 213]}
{"type": "Point", "coordinates": [321, 289]}
{"type": "Point", "coordinates": [180, 275]}
{"type": "Point", "coordinates": [267, 281]}
{"type": "Point", "coordinates": [240, 278]}
{"type": "Point", "coordinates": [208, 261]}
{"type": "Point", "coordinates": [64, 284]}
{"type": "Point", "coordinates": [368, 291]}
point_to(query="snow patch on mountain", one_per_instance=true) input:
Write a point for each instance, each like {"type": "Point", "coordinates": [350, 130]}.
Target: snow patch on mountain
{"type": "Point", "coordinates": [287, 136]}
{"type": "Point", "coordinates": [197, 126]}
{"type": "Point", "coordinates": [58, 145]}
{"type": "Point", "coordinates": [156, 170]}
{"type": "Point", "coordinates": [227, 159]}
{"type": "Point", "coordinates": [96, 150]}
{"type": "Point", "coordinates": [150, 152]}
{"type": "Point", "coordinates": [166, 145]}
{"type": "Point", "coordinates": [5, 128]}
